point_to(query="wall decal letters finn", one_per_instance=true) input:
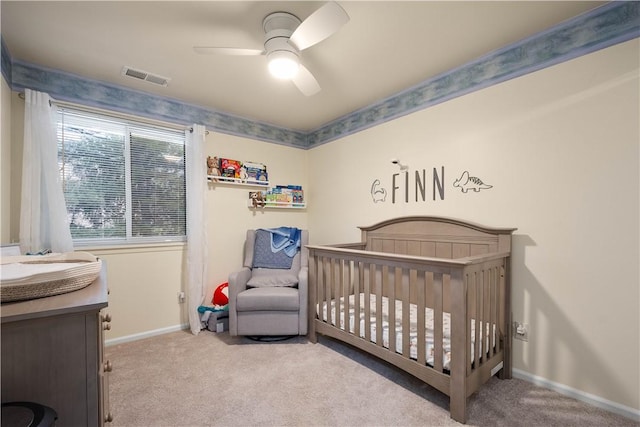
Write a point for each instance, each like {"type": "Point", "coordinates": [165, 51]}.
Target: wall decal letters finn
{"type": "Point", "coordinates": [418, 186]}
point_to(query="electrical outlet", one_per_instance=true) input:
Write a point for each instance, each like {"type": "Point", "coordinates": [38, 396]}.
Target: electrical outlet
{"type": "Point", "coordinates": [180, 297]}
{"type": "Point", "coordinates": [521, 331]}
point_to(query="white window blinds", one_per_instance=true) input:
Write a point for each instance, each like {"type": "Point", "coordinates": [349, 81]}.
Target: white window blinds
{"type": "Point", "coordinates": [123, 181]}
{"type": "Point", "coordinates": [157, 183]}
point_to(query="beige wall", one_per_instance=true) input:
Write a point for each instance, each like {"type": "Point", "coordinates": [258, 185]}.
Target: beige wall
{"type": "Point", "coordinates": [230, 215]}
{"type": "Point", "coordinates": [561, 149]}
{"type": "Point", "coordinates": [144, 281]}
{"type": "Point", "coordinates": [143, 289]}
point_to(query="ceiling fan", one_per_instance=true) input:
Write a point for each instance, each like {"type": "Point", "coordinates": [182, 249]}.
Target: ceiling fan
{"type": "Point", "coordinates": [285, 37]}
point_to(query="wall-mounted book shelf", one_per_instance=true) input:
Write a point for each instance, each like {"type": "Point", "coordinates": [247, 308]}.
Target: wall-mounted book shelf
{"type": "Point", "coordinates": [214, 179]}
{"type": "Point", "coordinates": [277, 205]}
{"type": "Point", "coordinates": [278, 197]}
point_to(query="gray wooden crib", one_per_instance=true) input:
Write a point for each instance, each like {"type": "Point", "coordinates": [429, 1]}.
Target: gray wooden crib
{"type": "Point", "coordinates": [443, 283]}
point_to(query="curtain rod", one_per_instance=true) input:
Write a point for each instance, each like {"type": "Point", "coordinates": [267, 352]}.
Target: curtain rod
{"type": "Point", "coordinates": [116, 114]}
{"type": "Point", "coordinates": [21, 96]}
{"type": "Point", "coordinates": [206, 132]}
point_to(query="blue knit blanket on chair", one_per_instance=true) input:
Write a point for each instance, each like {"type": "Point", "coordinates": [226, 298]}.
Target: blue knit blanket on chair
{"type": "Point", "coordinates": [278, 250]}
{"type": "Point", "coordinates": [285, 239]}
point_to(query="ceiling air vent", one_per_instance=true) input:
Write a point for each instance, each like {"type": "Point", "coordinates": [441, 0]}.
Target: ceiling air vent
{"type": "Point", "coordinates": [143, 75]}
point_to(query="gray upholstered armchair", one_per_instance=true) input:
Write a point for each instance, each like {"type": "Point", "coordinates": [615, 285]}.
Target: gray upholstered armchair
{"type": "Point", "coordinates": [269, 301]}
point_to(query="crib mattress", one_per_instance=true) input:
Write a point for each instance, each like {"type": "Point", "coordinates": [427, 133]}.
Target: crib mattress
{"type": "Point", "coordinates": [413, 329]}
{"type": "Point", "coordinates": [30, 277]}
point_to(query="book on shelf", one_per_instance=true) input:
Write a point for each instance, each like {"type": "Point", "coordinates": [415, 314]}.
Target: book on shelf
{"type": "Point", "coordinates": [294, 193]}
{"type": "Point", "coordinates": [230, 168]}
{"type": "Point", "coordinates": [280, 195]}
{"type": "Point", "coordinates": [255, 172]}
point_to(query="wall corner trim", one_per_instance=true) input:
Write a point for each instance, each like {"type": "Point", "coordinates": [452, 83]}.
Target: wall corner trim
{"type": "Point", "coordinates": [5, 65]}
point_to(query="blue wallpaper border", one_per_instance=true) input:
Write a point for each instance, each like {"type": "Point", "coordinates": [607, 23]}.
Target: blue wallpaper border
{"type": "Point", "coordinates": [610, 24]}
{"type": "Point", "coordinates": [77, 89]}
{"type": "Point", "coordinates": [6, 62]}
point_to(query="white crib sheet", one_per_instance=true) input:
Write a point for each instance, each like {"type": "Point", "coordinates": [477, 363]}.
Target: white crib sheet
{"type": "Point", "coordinates": [413, 340]}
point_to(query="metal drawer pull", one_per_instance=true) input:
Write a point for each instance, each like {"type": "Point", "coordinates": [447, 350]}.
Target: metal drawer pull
{"type": "Point", "coordinates": [108, 418]}
{"type": "Point", "coordinates": [108, 367]}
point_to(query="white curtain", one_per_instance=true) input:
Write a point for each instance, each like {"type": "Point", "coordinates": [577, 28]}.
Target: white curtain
{"type": "Point", "coordinates": [43, 212]}
{"type": "Point", "coordinates": [196, 175]}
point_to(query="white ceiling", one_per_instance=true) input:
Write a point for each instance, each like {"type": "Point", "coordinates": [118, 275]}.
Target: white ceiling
{"type": "Point", "coordinates": [387, 46]}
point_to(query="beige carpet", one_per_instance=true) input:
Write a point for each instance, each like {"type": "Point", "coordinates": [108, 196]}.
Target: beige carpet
{"type": "Point", "coordinates": [178, 379]}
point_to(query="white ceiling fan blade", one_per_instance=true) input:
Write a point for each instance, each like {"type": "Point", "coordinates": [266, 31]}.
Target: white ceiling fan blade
{"type": "Point", "coordinates": [319, 25]}
{"type": "Point", "coordinates": [305, 81]}
{"type": "Point", "coordinates": [228, 51]}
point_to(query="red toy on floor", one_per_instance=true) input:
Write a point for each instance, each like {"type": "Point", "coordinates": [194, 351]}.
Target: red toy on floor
{"type": "Point", "coordinates": [221, 296]}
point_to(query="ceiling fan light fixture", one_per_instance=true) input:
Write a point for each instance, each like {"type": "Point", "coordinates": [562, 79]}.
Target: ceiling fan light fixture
{"type": "Point", "coordinates": [285, 36]}
{"type": "Point", "coordinates": [283, 64]}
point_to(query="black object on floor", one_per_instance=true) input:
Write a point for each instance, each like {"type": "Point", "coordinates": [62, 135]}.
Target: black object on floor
{"type": "Point", "coordinates": [269, 338]}
{"type": "Point", "coordinates": [27, 414]}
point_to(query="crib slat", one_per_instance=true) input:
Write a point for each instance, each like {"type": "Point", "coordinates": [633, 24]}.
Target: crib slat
{"type": "Point", "coordinates": [486, 314]}
{"type": "Point", "coordinates": [477, 277]}
{"type": "Point", "coordinates": [483, 316]}
{"type": "Point", "coordinates": [381, 284]}
{"type": "Point", "coordinates": [406, 313]}
{"type": "Point", "coordinates": [486, 322]}
{"type": "Point", "coordinates": [335, 291]}
{"type": "Point", "coordinates": [494, 313]}
{"type": "Point", "coordinates": [391, 311]}
{"type": "Point", "coordinates": [438, 328]}
{"type": "Point", "coordinates": [470, 285]}
{"type": "Point", "coordinates": [343, 293]}
{"type": "Point", "coordinates": [501, 313]}
{"type": "Point", "coordinates": [419, 286]}
{"type": "Point", "coordinates": [320, 287]}
{"type": "Point", "coordinates": [313, 304]}
{"type": "Point", "coordinates": [367, 302]}
{"type": "Point", "coordinates": [505, 280]}
{"type": "Point", "coordinates": [327, 288]}
{"type": "Point", "coordinates": [500, 297]}
{"type": "Point", "coordinates": [358, 287]}
{"type": "Point", "coordinates": [391, 301]}
{"type": "Point", "coordinates": [315, 287]}
{"type": "Point", "coordinates": [317, 269]}
{"type": "Point", "coordinates": [349, 290]}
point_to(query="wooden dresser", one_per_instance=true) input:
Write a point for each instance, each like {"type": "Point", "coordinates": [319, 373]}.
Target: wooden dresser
{"type": "Point", "coordinates": [52, 354]}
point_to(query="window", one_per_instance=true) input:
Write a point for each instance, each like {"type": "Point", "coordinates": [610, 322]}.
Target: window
{"type": "Point", "coordinates": [123, 181]}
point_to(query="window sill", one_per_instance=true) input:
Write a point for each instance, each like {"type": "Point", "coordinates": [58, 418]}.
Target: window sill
{"type": "Point", "coordinates": [132, 247]}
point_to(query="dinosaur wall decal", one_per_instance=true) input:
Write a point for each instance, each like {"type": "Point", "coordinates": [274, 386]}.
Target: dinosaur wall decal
{"type": "Point", "coordinates": [466, 183]}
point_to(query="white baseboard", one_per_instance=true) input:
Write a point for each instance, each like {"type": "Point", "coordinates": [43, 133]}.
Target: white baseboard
{"type": "Point", "coordinates": [591, 399]}
{"type": "Point", "coordinates": [147, 334]}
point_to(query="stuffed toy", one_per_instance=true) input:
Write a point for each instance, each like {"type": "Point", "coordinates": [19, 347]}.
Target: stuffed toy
{"type": "Point", "coordinates": [213, 166]}
{"type": "Point", "coordinates": [257, 199]}
{"type": "Point", "coordinates": [220, 298]}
